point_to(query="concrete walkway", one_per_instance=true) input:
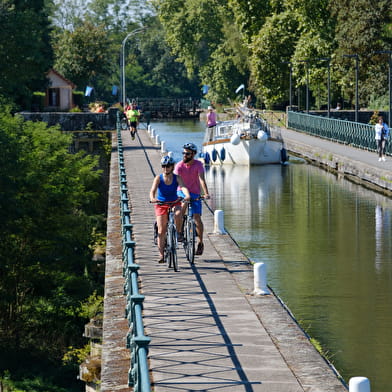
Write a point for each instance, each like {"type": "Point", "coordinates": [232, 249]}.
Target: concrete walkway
{"type": "Point", "coordinates": [208, 332]}
{"type": "Point", "coordinates": [359, 165]}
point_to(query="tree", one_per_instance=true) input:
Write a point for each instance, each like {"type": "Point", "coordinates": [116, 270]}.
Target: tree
{"type": "Point", "coordinates": [151, 68]}
{"type": "Point", "coordinates": [24, 49]}
{"type": "Point", "coordinates": [46, 198]}
{"type": "Point", "coordinates": [274, 43]}
{"type": "Point", "coordinates": [83, 55]}
{"type": "Point", "coordinates": [364, 32]}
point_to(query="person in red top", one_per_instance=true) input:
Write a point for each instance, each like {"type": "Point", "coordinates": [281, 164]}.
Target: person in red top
{"type": "Point", "coordinates": [192, 173]}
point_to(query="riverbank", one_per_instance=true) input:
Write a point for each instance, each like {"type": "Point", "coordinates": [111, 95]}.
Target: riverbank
{"type": "Point", "coordinates": [359, 166]}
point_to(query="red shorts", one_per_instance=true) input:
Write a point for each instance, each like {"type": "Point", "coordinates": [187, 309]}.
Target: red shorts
{"type": "Point", "coordinates": [162, 209]}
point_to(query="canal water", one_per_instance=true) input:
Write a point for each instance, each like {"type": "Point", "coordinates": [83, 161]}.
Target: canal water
{"type": "Point", "coordinates": [327, 246]}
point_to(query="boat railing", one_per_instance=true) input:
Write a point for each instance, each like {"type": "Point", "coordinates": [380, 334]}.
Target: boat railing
{"type": "Point", "coordinates": [247, 127]}
{"type": "Point", "coordinates": [276, 132]}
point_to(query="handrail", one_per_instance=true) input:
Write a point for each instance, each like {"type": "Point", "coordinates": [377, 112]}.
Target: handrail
{"type": "Point", "coordinates": [137, 342]}
{"type": "Point", "coordinates": [347, 132]}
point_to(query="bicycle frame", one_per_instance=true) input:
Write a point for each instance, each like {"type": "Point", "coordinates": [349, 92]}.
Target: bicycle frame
{"type": "Point", "coordinates": [189, 233]}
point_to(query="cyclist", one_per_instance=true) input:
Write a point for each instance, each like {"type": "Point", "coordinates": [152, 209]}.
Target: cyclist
{"type": "Point", "coordinates": [133, 115]}
{"type": "Point", "coordinates": [191, 171]}
{"type": "Point", "coordinates": [164, 189]}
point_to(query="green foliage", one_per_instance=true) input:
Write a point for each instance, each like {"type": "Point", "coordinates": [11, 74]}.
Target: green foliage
{"type": "Point", "coordinates": [47, 202]}
{"type": "Point", "coordinates": [362, 33]}
{"type": "Point", "coordinates": [75, 109]}
{"type": "Point", "coordinates": [84, 54]}
{"type": "Point", "coordinates": [275, 42]}
{"type": "Point", "coordinates": [24, 49]}
{"type": "Point", "coordinates": [76, 355]}
{"type": "Point", "coordinates": [250, 15]}
{"type": "Point", "coordinates": [92, 307]}
{"type": "Point", "coordinates": [377, 102]}
{"type": "Point", "coordinates": [78, 98]}
{"type": "Point", "coordinates": [267, 32]}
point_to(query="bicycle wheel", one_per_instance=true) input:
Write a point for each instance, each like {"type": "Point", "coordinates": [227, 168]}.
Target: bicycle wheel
{"type": "Point", "coordinates": [173, 241]}
{"type": "Point", "coordinates": [191, 234]}
{"type": "Point", "coordinates": [173, 261]}
{"type": "Point", "coordinates": [124, 124]}
{"type": "Point", "coordinates": [167, 251]}
{"type": "Point", "coordinates": [155, 233]}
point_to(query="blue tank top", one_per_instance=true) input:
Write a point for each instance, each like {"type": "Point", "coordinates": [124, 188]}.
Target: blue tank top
{"type": "Point", "coordinates": [167, 192]}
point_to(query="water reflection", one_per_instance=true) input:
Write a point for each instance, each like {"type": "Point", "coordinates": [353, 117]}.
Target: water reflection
{"type": "Point", "coordinates": [319, 236]}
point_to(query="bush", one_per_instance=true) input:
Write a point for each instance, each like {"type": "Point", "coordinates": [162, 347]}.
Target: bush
{"type": "Point", "coordinates": [38, 101]}
{"type": "Point", "coordinates": [75, 109]}
{"type": "Point", "coordinates": [78, 98]}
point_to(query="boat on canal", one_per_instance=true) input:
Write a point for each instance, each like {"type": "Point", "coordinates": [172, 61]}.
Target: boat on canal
{"type": "Point", "coordinates": [246, 140]}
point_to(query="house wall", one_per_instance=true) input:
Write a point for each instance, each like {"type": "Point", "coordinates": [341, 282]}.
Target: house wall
{"type": "Point", "coordinates": [66, 99]}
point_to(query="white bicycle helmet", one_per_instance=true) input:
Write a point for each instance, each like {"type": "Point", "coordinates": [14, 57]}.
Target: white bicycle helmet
{"type": "Point", "coordinates": [167, 161]}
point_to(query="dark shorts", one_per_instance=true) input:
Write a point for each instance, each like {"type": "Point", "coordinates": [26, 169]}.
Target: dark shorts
{"type": "Point", "coordinates": [133, 124]}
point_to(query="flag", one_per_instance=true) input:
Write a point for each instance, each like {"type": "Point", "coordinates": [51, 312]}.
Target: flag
{"type": "Point", "coordinates": [114, 90]}
{"type": "Point", "coordinates": [239, 88]}
{"type": "Point", "coordinates": [88, 91]}
{"type": "Point", "coordinates": [205, 89]}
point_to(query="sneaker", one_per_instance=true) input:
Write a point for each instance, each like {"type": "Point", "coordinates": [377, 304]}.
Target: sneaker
{"type": "Point", "coordinates": [133, 137]}
{"type": "Point", "coordinates": [161, 260]}
{"type": "Point", "coordinates": [379, 159]}
{"type": "Point", "coordinates": [383, 158]}
{"type": "Point", "coordinates": [180, 237]}
{"type": "Point", "coordinates": [200, 249]}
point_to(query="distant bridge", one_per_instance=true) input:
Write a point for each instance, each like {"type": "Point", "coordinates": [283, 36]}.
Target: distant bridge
{"type": "Point", "coordinates": [156, 108]}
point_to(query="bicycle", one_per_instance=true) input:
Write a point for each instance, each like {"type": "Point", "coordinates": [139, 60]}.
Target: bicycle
{"type": "Point", "coordinates": [124, 123]}
{"type": "Point", "coordinates": [189, 232]}
{"type": "Point", "coordinates": [170, 251]}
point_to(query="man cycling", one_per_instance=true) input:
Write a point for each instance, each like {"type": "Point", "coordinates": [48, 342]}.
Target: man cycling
{"type": "Point", "coordinates": [191, 171]}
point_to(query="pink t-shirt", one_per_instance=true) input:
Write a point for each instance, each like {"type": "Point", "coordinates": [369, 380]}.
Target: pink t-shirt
{"type": "Point", "coordinates": [190, 174]}
{"type": "Point", "coordinates": [211, 119]}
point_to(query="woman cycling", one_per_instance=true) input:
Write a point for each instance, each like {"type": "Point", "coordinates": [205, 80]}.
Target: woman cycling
{"type": "Point", "coordinates": [164, 189]}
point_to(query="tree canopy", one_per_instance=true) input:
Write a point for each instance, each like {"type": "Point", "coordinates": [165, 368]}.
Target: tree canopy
{"type": "Point", "coordinates": [47, 215]}
{"type": "Point", "coordinates": [273, 32]}
{"type": "Point", "coordinates": [25, 49]}
{"type": "Point", "coordinates": [217, 43]}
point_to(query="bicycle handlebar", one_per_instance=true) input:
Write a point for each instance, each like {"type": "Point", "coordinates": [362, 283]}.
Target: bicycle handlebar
{"type": "Point", "coordinates": [167, 203]}
{"type": "Point", "coordinates": [198, 198]}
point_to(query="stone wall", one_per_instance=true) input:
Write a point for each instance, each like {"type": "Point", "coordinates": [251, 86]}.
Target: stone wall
{"type": "Point", "coordinates": [75, 121]}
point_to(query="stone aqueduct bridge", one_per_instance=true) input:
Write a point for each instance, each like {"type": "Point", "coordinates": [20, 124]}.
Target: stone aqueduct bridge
{"type": "Point", "coordinates": [208, 331]}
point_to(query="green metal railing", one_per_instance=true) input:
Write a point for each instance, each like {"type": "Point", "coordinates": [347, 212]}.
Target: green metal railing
{"type": "Point", "coordinates": [352, 133]}
{"type": "Point", "coordinates": [137, 342]}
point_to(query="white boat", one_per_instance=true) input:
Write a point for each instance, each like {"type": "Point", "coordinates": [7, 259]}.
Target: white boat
{"type": "Point", "coordinates": [247, 140]}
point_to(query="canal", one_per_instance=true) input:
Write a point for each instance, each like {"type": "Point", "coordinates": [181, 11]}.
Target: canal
{"type": "Point", "coordinates": [327, 246]}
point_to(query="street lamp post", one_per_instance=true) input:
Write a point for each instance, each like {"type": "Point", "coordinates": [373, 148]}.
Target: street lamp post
{"type": "Point", "coordinates": [389, 52]}
{"type": "Point", "coordinates": [123, 60]}
{"type": "Point", "coordinates": [290, 88]}
{"type": "Point", "coordinates": [307, 83]}
{"type": "Point", "coordinates": [356, 57]}
{"type": "Point", "coordinates": [328, 60]}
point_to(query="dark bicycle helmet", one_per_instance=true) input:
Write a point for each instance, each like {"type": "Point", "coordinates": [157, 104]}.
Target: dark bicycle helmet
{"type": "Point", "coordinates": [167, 161]}
{"type": "Point", "coordinates": [190, 146]}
